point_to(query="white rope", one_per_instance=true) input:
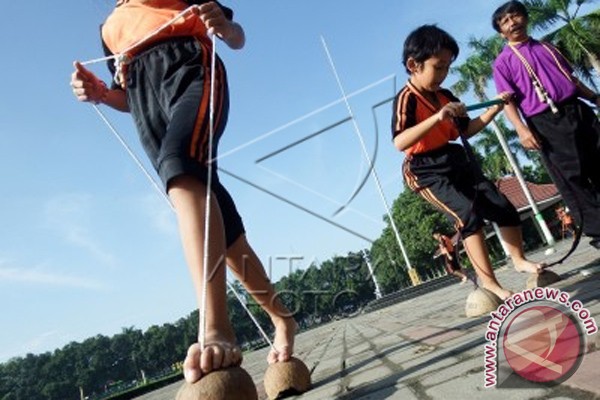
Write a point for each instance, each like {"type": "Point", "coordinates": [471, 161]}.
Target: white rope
{"type": "Point", "coordinates": [245, 307]}
{"type": "Point", "coordinates": [133, 156]}
{"type": "Point", "coordinates": [143, 39]}
{"type": "Point", "coordinates": [366, 153]}
{"type": "Point", "coordinates": [97, 60]}
{"type": "Point", "coordinates": [157, 187]}
{"type": "Point", "coordinates": [122, 57]}
{"type": "Point", "coordinates": [211, 113]}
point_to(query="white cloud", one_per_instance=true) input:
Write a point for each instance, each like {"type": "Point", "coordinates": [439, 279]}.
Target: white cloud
{"type": "Point", "coordinates": [40, 342]}
{"type": "Point", "coordinates": [45, 341]}
{"type": "Point", "coordinates": [160, 213]}
{"type": "Point", "coordinates": [40, 277]}
{"type": "Point", "coordinates": [70, 215]}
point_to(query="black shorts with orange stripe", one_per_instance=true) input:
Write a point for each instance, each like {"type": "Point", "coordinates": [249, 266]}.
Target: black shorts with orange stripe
{"type": "Point", "coordinates": [447, 179]}
{"type": "Point", "coordinates": [168, 92]}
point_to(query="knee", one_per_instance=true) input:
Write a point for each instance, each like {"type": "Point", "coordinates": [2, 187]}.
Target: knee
{"type": "Point", "coordinates": [471, 225]}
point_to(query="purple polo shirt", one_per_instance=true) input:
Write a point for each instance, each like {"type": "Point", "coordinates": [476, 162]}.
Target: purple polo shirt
{"type": "Point", "coordinates": [511, 76]}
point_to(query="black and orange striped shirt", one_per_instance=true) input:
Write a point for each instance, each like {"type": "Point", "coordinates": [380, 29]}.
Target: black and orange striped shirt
{"type": "Point", "coordinates": [411, 108]}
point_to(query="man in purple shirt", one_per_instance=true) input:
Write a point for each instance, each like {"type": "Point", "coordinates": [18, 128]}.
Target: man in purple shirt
{"type": "Point", "coordinates": [549, 116]}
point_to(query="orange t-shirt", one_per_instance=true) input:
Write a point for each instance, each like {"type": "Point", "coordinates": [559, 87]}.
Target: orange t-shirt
{"type": "Point", "coordinates": [132, 21]}
{"type": "Point", "coordinates": [411, 108]}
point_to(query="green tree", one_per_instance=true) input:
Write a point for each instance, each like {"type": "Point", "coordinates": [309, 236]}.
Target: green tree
{"type": "Point", "coordinates": [576, 36]}
{"type": "Point", "coordinates": [491, 157]}
{"type": "Point", "coordinates": [417, 220]}
{"type": "Point", "coordinates": [245, 329]}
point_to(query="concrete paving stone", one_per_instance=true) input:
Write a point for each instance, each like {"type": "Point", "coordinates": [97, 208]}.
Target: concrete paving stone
{"type": "Point", "coordinates": [391, 326]}
{"type": "Point", "coordinates": [450, 372]}
{"type": "Point", "coordinates": [470, 336]}
{"type": "Point", "coordinates": [384, 388]}
{"type": "Point", "coordinates": [471, 387]}
{"type": "Point", "coordinates": [397, 392]}
{"type": "Point", "coordinates": [424, 348]}
{"type": "Point", "coordinates": [404, 352]}
{"type": "Point", "coordinates": [560, 398]}
{"type": "Point", "coordinates": [324, 393]}
{"type": "Point", "coordinates": [330, 353]}
{"type": "Point", "coordinates": [359, 348]}
{"type": "Point", "coordinates": [473, 350]}
{"type": "Point", "coordinates": [328, 366]}
{"type": "Point", "coordinates": [367, 376]}
{"type": "Point", "coordinates": [587, 376]}
{"type": "Point", "coordinates": [431, 335]}
{"type": "Point", "coordinates": [386, 341]}
{"type": "Point", "coordinates": [399, 312]}
{"type": "Point", "coordinates": [427, 364]}
{"type": "Point", "coordinates": [365, 360]}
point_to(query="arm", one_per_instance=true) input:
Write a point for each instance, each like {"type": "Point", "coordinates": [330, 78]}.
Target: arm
{"type": "Point", "coordinates": [443, 250]}
{"type": "Point", "coordinates": [218, 24]}
{"type": "Point", "coordinates": [88, 87]}
{"type": "Point", "coordinates": [412, 135]}
{"type": "Point", "coordinates": [477, 124]}
{"type": "Point", "coordinates": [528, 140]}
{"type": "Point", "coordinates": [582, 90]}
{"type": "Point", "coordinates": [502, 78]}
{"type": "Point", "coordinates": [587, 93]}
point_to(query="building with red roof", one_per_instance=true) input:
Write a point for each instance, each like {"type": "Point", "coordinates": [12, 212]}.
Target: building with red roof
{"type": "Point", "coordinates": [544, 195]}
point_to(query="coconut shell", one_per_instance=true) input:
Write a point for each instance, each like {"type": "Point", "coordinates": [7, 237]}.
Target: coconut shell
{"type": "Point", "coordinates": [481, 302]}
{"type": "Point", "coordinates": [544, 279]}
{"type": "Point", "coordinates": [225, 384]}
{"type": "Point", "coordinates": [283, 379]}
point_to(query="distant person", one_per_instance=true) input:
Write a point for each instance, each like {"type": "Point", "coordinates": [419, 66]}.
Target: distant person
{"type": "Point", "coordinates": [549, 116]}
{"type": "Point", "coordinates": [567, 225]}
{"type": "Point", "coordinates": [447, 250]}
{"type": "Point", "coordinates": [165, 84]}
{"type": "Point", "coordinates": [426, 119]}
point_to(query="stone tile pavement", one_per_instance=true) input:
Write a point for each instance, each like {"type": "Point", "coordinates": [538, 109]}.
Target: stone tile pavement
{"type": "Point", "coordinates": [426, 348]}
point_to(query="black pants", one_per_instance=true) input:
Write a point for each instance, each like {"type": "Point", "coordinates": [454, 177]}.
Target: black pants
{"type": "Point", "coordinates": [168, 92]}
{"type": "Point", "coordinates": [447, 179]}
{"type": "Point", "coordinates": [570, 143]}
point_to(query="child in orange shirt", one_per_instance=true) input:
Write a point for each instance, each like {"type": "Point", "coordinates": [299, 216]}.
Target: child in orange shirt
{"type": "Point", "coordinates": [426, 119]}
{"type": "Point", "coordinates": [165, 83]}
{"type": "Point", "coordinates": [448, 251]}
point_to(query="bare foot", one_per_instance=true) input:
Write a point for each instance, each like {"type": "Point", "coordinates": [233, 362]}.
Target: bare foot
{"type": "Point", "coordinates": [216, 355]}
{"type": "Point", "coordinates": [285, 331]}
{"type": "Point", "coordinates": [529, 267]}
{"type": "Point", "coordinates": [499, 291]}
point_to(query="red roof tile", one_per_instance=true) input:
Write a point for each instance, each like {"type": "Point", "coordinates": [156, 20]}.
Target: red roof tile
{"type": "Point", "coordinates": [511, 188]}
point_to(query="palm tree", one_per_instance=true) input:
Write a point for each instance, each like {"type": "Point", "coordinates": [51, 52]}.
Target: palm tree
{"type": "Point", "coordinates": [494, 163]}
{"type": "Point", "coordinates": [576, 36]}
{"type": "Point", "coordinates": [477, 69]}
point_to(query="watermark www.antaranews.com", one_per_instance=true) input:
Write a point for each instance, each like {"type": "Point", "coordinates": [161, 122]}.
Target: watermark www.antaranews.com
{"type": "Point", "coordinates": [537, 335]}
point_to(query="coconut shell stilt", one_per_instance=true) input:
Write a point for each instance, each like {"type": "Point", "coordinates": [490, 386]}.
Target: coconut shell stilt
{"type": "Point", "coordinates": [289, 378]}
{"type": "Point", "coordinates": [544, 279]}
{"type": "Point", "coordinates": [224, 384]}
{"type": "Point", "coordinates": [481, 302]}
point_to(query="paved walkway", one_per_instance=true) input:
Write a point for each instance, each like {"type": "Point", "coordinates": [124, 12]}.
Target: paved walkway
{"type": "Point", "coordinates": [425, 347]}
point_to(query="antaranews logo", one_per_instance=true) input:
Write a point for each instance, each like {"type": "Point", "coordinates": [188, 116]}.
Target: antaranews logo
{"type": "Point", "coordinates": [539, 336]}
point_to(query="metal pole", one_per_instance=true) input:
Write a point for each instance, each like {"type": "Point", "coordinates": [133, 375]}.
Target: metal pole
{"type": "Point", "coordinates": [378, 294]}
{"type": "Point", "coordinates": [539, 219]}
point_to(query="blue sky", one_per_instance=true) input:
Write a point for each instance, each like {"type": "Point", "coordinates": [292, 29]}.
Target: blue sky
{"type": "Point", "coordinates": [88, 247]}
